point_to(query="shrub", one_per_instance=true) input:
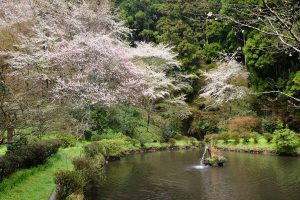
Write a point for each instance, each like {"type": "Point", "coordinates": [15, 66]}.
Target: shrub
{"type": "Point", "coordinates": [246, 137]}
{"type": "Point", "coordinates": [112, 135]}
{"type": "Point", "coordinates": [67, 140]}
{"type": "Point", "coordinates": [269, 124]}
{"type": "Point", "coordinates": [68, 182]}
{"type": "Point", "coordinates": [268, 137]}
{"type": "Point", "coordinates": [81, 163]}
{"type": "Point", "coordinates": [204, 125]}
{"type": "Point", "coordinates": [88, 135]}
{"type": "Point", "coordinates": [96, 137]}
{"type": "Point", "coordinates": [254, 136]}
{"type": "Point", "coordinates": [115, 147]}
{"type": "Point", "coordinates": [194, 141]}
{"type": "Point", "coordinates": [235, 137]}
{"type": "Point", "coordinates": [178, 136]}
{"type": "Point", "coordinates": [244, 124]}
{"type": "Point", "coordinates": [172, 142]}
{"type": "Point", "coordinates": [109, 148]}
{"type": "Point", "coordinates": [286, 140]}
{"type": "Point", "coordinates": [225, 137]}
{"type": "Point", "coordinates": [75, 197]}
{"type": "Point", "coordinates": [12, 147]}
{"type": "Point", "coordinates": [136, 143]}
{"type": "Point", "coordinates": [27, 156]}
{"type": "Point", "coordinates": [93, 149]}
{"type": "Point", "coordinates": [90, 168]}
{"type": "Point", "coordinates": [211, 138]}
{"type": "Point", "coordinates": [99, 160]}
{"type": "Point", "coordinates": [150, 136]}
{"type": "Point", "coordinates": [120, 118]}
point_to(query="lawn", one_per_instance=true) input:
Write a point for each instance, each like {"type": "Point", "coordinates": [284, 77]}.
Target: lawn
{"type": "Point", "coordinates": [2, 150]}
{"type": "Point", "coordinates": [37, 183]}
{"type": "Point", "coordinates": [262, 144]}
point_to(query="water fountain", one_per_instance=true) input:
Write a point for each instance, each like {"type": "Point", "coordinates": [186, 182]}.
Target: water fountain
{"type": "Point", "coordinates": [202, 165]}
{"type": "Point", "coordinates": [202, 158]}
{"type": "Point", "coordinates": [214, 159]}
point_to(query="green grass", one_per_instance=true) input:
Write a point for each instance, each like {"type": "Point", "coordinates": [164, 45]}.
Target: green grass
{"type": "Point", "coordinates": [38, 183]}
{"type": "Point", "coordinates": [2, 150]}
{"type": "Point", "coordinates": [186, 141]}
{"type": "Point", "coordinates": [251, 145]}
{"type": "Point", "coordinates": [155, 145]}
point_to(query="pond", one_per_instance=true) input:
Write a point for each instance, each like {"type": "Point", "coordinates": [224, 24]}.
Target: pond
{"type": "Point", "coordinates": [170, 175]}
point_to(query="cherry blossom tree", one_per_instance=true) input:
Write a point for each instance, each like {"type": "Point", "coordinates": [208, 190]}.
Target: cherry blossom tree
{"type": "Point", "coordinates": [40, 27]}
{"type": "Point", "coordinates": [225, 83]}
{"type": "Point", "coordinates": [73, 52]}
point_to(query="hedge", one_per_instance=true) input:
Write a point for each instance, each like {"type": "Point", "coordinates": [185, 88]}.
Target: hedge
{"type": "Point", "coordinates": [27, 156]}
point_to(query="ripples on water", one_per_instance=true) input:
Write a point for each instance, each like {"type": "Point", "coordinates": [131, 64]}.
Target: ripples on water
{"type": "Point", "coordinates": [178, 176]}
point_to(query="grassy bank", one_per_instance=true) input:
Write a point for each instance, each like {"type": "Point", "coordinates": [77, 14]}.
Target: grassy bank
{"type": "Point", "coordinates": [2, 150]}
{"type": "Point", "coordinates": [37, 183]}
{"type": "Point", "coordinates": [262, 146]}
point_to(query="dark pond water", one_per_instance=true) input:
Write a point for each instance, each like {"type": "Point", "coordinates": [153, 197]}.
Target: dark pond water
{"type": "Point", "coordinates": [170, 175]}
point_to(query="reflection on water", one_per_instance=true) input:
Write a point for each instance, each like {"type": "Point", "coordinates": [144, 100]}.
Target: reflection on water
{"type": "Point", "coordinates": [172, 175]}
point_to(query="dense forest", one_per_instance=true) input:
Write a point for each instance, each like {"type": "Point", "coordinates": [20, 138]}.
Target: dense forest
{"type": "Point", "coordinates": [263, 36]}
{"type": "Point", "coordinates": [131, 74]}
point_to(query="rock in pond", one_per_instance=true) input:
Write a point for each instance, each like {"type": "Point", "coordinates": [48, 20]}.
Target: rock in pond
{"type": "Point", "coordinates": [215, 161]}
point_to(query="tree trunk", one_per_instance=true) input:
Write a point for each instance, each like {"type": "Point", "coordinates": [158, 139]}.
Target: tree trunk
{"type": "Point", "coordinates": [148, 120]}
{"type": "Point", "coordinates": [186, 124]}
{"type": "Point", "coordinates": [10, 134]}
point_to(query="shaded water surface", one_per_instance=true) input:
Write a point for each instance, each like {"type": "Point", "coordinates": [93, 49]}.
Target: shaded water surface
{"type": "Point", "coordinates": [170, 175]}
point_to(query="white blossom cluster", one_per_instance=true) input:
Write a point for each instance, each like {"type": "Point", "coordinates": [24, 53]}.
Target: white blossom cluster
{"type": "Point", "coordinates": [219, 88]}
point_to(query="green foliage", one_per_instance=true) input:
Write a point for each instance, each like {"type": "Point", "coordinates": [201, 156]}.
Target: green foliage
{"type": "Point", "coordinates": [27, 156]}
{"type": "Point", "coordinates": [178, 136]}
{"type": "Point", "coordinates": [91, 168]}
{"type": "Point", "coordinates": [172, 142]}
{"type": "Point", "coordinates": [68, 182]}
{"type": "Point", "coordinates": [82, 163]}
{"type": "Point", "coordinates": [20, 184]}
{"type": "Point", "coordinates": [119, 118]}
{"type": "Point", "coordinates": [116, 147]}
{"type": "Point", "coordinates": [210, 52]}
{"type": "Point", "coordinates": [67, 140]}
{"type": "Point", "coordinates": [3, 150]}
{"type": "Point", "coordinates": [255, 51]}
{"type": "Point", "coordinates": [88, 135]}
{"type": "Point", "coordinates": [96, 137]}
{"type": "Point", "coordinates": [153, 135]}
{"type": "Point", "coordinates": [294, 84]}
{"type": "Point", "coordinates": [285, 140]}
{"type": "Point", "coordinates": [111, 147]}
{"type": "Point", "coordinates": [246, 137]}
{"type": "Point", "coordinates": [225, 136]}
{"type": "Point", "coordinates": [141, 16]}
{"type": "Point", "coordinates": [93, 149]}
{"type": "Point", "coordinates": [268, 137]}
{"type": "Point", "coordinates": [268, 124]}
{"type": "Point", "coordinates": [12, 147]}
{"type": "Point", "coordinates": [111, 134]}
{"type": "Point", "coordinates": [75, 197]}
{"type": "Point", "coordinates": [255, 136]}
{"type": "Point", "coordinates": [212, 138]}
{"type": "Point", "coordinates": [204, 125]}
{"type": "Point", "coordinates": [235, 137]}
